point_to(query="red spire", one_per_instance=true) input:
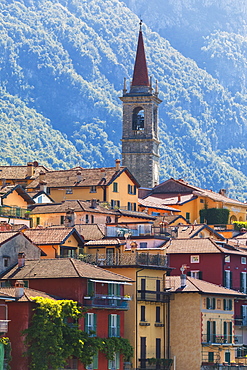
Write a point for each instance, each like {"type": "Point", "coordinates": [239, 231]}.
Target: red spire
{"type": "Point", "coordinates": [140, 75]}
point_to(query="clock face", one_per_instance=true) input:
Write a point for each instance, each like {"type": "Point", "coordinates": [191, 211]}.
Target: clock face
{"type": "Point", "coordinates": [156, 172]}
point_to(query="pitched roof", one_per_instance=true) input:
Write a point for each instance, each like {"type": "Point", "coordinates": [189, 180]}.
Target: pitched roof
{"type": "Point", "coordinates": [6, 190]}
{"type": "Point", "coordinates": [202, 245]}
{"type": "Point", "coordinates": [154, 202]}
{"type": "Point", "coordinates": [135, 214]}
{"type": "Point", "coordinates": [88, 177]}
{"type": "Point", "coordinates": [50, 235]}
{"type": "Point", "coordinates": [7, 235]}
{"type": "Point", "coordinates": [19, 172]}
{"type": "Point", "coordinates": [140, 75]}
{"type": "Point", "coordinates": [167, 189]}
{"type": "Point", "coordinates": [9, 292]}
{"type": "Point", "coordinates": [63, 207]}
{"type": "Point", "coordinates": [193, 231]}
{"type": "Point", "coordinates": [58, 268]}
{"type": "Point", "coordinates": [105, 242]}
{"type": "Point", "coordinates": [91, 231]}
{"type": "Point", "coordinates": [199, 286]}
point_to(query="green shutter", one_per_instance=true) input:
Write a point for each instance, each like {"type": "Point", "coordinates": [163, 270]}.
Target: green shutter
{"type": "Point", "coordinates": [208, 331]}
{"type": "Point", "coordinates": [230, 279]}
{"type": "Point", "coordinates": [210, 356]}
{"type": "Point", "coordinates": [188, 273]}
{"type": "Point", "coordinates": [109, 326]}
{"type": "Point", "coordinates": [230, 304]}
{"type": "Point", "coordinates": [227, 357]}
{"type": "Point", "coordinates": [225, 331]}
{"type": "Point", "coordinates": [110, 290]}
{"type": "Point", "coordinates": [224, 278]}
{"type": "Point", "coordinates": [241, 282]}
{"type": "Point", "coordinates": [208, 303]}
{"type": "Point", "coordinates": [90, 287]}
{"type": "Point", "coordinates": [118, 289]}
{"type": "Point", "coordinates": [86, 323]}
{"type": "Point", "coordinates": [117, 360]}
{"type": "Point", "coordinates": [230, 336]}
{"type": "Point", "coordinates": [224, 304]}
{"type": "Point", "coordinates": [118, 325]}
{"type": "Point", "coordinates": [200, 275]}
{"type": "Point", "coordinates": [213, 304]}
{"type": "Point", "coordinates": [95, 324]}
{"type": "Point", "coordinates": [214, 331]}
{"type": "Point", "coordinates": [95, 361]}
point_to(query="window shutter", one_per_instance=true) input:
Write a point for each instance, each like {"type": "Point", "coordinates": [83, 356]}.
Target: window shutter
{"type": "Point", "coordinates": [118, 289]}
{"type": "Point", "coordinates": [109, 326]}
{"type": "Point", "coordinates": [117, 360]}
{"type": "Point", "coordinates": [208, 331]}
{"type": "Point", "coordinates": [95, 324]}
{"type": "Point", "coordinates": [230, 279]}
{"type": "Point", "coordinates": [230, 304]}
{"type": "Point", "coordinates": [200, 275]}
{"type": "Point", "coordinates": [208, 302]}
{"type": "Point", "coordinates": [224, 304]}
{"type": "Point", "coordinates": [95, 361]}
{"type": "Point", "coordinates": [86, 323]}
{"type": "Point", "coordinates": [188, 273]}
{"type": "Point", "coordinates": [214, 331]}
{"type": "Point", "coordinates": [118, 325]}
{"type": "Point", "coordinates": [230, 336]}
{"type": "Point", "coordinates": [225, 331]}
{"type": "Point", "coordinates": [213, 304]}
{"type": "Point", "coordinates": [224, 278]}
{"type": "Point", "coordinates": [110, 289]}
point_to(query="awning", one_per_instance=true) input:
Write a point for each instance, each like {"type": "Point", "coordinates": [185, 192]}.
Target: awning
{"type": "Point", "coordinates": [110, 282]}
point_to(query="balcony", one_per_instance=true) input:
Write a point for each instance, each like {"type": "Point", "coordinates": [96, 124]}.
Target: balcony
{"type": "Point", "coordinates": [15, 212]}
{"type": "Point", "coordinates": [127, 259]}
{"type": "Point", "coordinates": [4, 326]}
{"type": "Point", "coordinates": [240, 321]}
{"type": "Point", "coordinates": [155, 364]}
{"type": "Point", "coordinates": [105, 301]}
{"type": "Point", "coordinates": [217, 339]}
{"type": "Point", "coordinates": [152, 296]}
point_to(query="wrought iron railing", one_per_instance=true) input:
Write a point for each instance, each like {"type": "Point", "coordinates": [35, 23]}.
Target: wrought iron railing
{"type": "Point", "coordinates": [219, 338]}
{"type": "Point", "coordinates": [107, 301]}
{"type": "Point", "coordinates": [152, 296]}
{"type": "Point", "coordinates": [15, 212]}
{"type": "Point", "coordinates": [126, 259]}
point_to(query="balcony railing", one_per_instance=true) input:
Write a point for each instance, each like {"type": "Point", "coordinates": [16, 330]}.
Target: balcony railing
{"type": "Point", "coordinates": [152, 296]}
{"type": "Point", "coordinates": [155, 364]}
{"type": "Point", "coordinates": [218, 339]}
{"type": "Point", "coordinates": [106, 301]}
{"type": "Point", "coordinates": [240, 320]}
{"type": "Point", "coordinates": [15, 212]}
{"type": "Point", "coordinates": [126, 259]}
{"type": "Point", "coordinates": [4, 326]}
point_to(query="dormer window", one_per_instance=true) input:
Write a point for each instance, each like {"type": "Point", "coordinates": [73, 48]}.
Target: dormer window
{"type": "Point", "coordinates": [138, 119]}
{"type": "Point", "coordinates": [93, 189]}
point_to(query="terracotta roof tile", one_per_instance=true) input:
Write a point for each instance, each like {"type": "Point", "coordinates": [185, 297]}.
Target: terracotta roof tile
{"type": "Point", "coordinates": [202, 245]}
{"type": "Point", "coordinates": [105, 242]}
{"type": "Point", "coordinates": [28, 294]}
{"type": "Point", "coordinates": [91, 231]}
{"type": "Point", "coordinates": [137, 214]}
{"type": "Point", "coordinates": [6, 235]}
{"type": "Point", "coordinates": [140, 74]}
{"type": "Point", "coordinates": [54, 235]}
{"type": "Point", "coordinates": [154, 202]}
{"type": "Point", "coordinates": [19, 172]}
{"type": "Point", "coordinates": [61, 268]}
{"type": "Point", "coordinates": [200, 286]}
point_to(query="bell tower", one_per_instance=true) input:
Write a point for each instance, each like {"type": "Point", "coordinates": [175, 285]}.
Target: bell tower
{"type": "Point", "coordinates": [140, 143]}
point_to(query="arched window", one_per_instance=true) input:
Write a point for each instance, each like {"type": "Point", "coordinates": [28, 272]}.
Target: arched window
{"type": "Point", "coordinates": [138, 119]}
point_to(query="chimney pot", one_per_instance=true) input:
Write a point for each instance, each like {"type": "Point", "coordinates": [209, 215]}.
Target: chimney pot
{"type": "Point", "coordinates": [183, 280]}
{"type": "Point", "coordinates": [21, 259]}
{"type": "Point", "coordinates": [19, 288]}
{"type": "Point", "coordinates": [118, 164]}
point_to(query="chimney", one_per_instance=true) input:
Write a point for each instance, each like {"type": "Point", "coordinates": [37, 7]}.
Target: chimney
{"type": "Point", "coordinates": [222, 192]}
{"type": "Point", "coordinates": [79, 177]}
{"type": "Point", "coordinates": [21, 259]}
{"type": "Point", "coordinates": [19, 288]}
{"type": "Point", "coordinates": [183, 280]}
{"type": "Point", "coordinates": [93, 203]}
{"type": "Point", "coordinates": [118, 164]}
{"type": "Point", "coordinates": [43, 186]}
{"type": "Point", "coordinates": [41, 176]}
{"type": "Point", "coordinates": [30, 169]}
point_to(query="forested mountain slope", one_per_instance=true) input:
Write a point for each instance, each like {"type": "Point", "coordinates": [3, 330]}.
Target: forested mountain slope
{"type": "Point", "coordinates": [64, 61]}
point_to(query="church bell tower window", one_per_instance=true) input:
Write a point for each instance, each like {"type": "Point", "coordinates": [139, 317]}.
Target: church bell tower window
{"type": "Point", "coordinates": [138, 119]}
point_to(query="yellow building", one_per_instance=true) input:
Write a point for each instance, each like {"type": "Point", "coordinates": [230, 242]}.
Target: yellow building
{"type": "Point", "coordinates": [201, 323]}
{"type": "Point", "coordinates": [190, 200]}
{"type": "Point", "coordinates": [114, 186]}
{"type": "Point", "coordinates": [56, 242]}
{"type": "Point", "coordinates": [20, 175]}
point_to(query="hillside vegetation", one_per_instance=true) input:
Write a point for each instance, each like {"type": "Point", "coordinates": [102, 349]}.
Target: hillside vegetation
{"type": "Point", "coordinates": [63, 63]}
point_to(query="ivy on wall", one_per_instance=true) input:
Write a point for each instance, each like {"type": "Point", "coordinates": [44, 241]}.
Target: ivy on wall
{"type": "Point", "coordinates": [54, 336]}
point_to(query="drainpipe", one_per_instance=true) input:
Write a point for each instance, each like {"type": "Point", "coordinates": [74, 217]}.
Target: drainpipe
{"type": "Point", "coordinates": [136, 339]}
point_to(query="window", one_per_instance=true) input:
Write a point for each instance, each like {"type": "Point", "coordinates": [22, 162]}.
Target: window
{"type": "Point", "coordinates": [90, 288]}
{"type": "Point", "coordinates": [158, 347]}
{"type": "Point", "coordinates": [115, 187]}
{"type": "Point", "coordinates": [93, 189]}
{"type": "Point", "coordinates": [211, 331]}
{"type": "Point", "coordinates": [143, 245]}
{"type": "Point", "coordinates": [131, 189]}
{"type": "Point", "coordinates": [244, 314]}
{"type": "Point", "coordinates": [228, 279]}
{"type": "Point", "coordinates": [37, 221]}
{"type": "Point", "coordinates": [92, 219]}
{"type": "Point", "coordinates": [243, 282]}
{"type": "Point", "coordinates": [113, 325]}
{"type": "Point", "coordinates": [157, 317]}
{"type": "Point", "coordinates": [87, 219]}
{"type": "Point", "coordinates": [108, 219]}
{"type": "Point", "coordinates": [201, 200]}
{"type": "Point", "coordinates": [138, 119]}
{"type": "Point", "coordinates": [69, 191]}
{"type": "Point", "coordinates": [6, 261]}
{"type": "Point", "coordinates": [143, 289]}
{"type": "Point", "coordinates": [196, 274]}
{"type": "Point", "coordinates": [210, 303]}
{"type": "Point", "coordinates": [143, 313]}
{"type": "Point", "coordinates": [61, 220]}
{"type": "Point", "coordinates": [91, 324]}
{"type": "Point", "coordinates": [187, 216]}
{"type": "Point", "coordinates": [227, 258]}
{"type": "Point", "coordinates": [39, 199]}
{"type": "Point", "coordinates": [227, 304]}
{"type": "Point", "coordinates": [114, 290]}
{"type": "Point", "coordinates": [227, 332]}
{"type": "Point", "coordinates": [115, 362]}
{"type": "Point", "coordinates": [48, 191]}
{"type": "Point", "coordinates": [115, 203]}
{"type": "Point", "coordinates": [227, 357]}
{"type": "Point", "coordinates": [143, 352]}
{"type": "Point", "coordinates": [94, 363]}
{"type": "Point", "coordinates": [194, 259]}
{"type": "Point", "coordinates": [131, 206]}
{"type": "Point", "coordinates": [243, 260]}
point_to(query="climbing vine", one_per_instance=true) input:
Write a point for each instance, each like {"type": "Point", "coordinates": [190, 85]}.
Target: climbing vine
{"type": "Point", "coordinates": [7, 350]}
{"type": "Point", "coordinates": [54, 336]}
